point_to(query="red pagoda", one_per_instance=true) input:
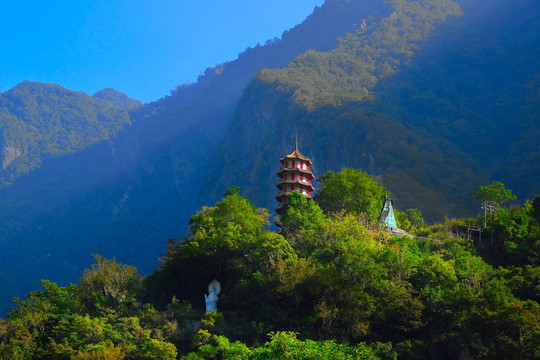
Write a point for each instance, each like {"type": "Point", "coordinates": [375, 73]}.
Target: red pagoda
{"type": "Point", "coordinates": [294, 175]}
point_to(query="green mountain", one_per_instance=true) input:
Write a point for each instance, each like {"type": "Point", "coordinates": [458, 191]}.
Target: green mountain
{"type": "Point", "coordinates": [416, 97]}
{"type": "Point", "coordinates": [473, 85]}
{"type": "Point", "coordinates": [40, 121]}
{"type": "Point", "coordinates": [433, 97]}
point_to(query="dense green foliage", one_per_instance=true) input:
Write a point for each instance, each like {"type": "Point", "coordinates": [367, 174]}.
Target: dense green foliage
{"type": "Point", "coordinates": [54, 323]}
{"type": "Point", "coordinates": [327, 287]}
{"type": "Point", "coordinates": [495, 194]}
{"type": "Point", "coordinates": [351, 190]}
{"type": "Point", "coordinates": [350, 71]}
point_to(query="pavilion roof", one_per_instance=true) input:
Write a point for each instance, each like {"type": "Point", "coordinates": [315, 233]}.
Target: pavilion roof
{"type": "Point", "coordinates": [296, 155]}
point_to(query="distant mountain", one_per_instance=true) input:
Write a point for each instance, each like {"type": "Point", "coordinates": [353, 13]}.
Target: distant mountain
{"type": "Point", "coordinates": [117, 98]}
{"type": "Point", "coordinates": [40, 121]}
{"type": "Point", "coordinates": [433, 97]}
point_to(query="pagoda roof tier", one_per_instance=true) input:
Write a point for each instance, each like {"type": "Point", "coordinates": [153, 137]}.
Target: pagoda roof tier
{"type": "Point", "coordinates": [304, 184]}
{"type": "Point", "coordinates": [296, 170]}
{"type": "Point", "coordinates": [296, 155]}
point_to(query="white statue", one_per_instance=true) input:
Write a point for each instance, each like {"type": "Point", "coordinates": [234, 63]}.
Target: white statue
{"type": "Point", "coordinates": [214, 288]}
{"type": "Point", "coordinates": [364, 25]}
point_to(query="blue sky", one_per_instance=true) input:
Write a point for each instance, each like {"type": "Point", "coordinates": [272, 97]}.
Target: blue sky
{"type": "Point", "coordinates": [139, 47]}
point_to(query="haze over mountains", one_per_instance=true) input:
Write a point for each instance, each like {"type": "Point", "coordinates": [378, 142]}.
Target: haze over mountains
{"type": "Point", "coordinates": [434, 97]}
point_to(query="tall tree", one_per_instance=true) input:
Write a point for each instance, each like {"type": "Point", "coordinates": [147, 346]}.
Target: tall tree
{"type": "Point", "coordinates": [351, 190]}
{"type": "Point", "coordinates": [109, 284]}
{"type": "Point", "coordinates": [495, 194]}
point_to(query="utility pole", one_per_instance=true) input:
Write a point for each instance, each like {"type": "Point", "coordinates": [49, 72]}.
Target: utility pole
{"type": "Point", "coordinates": [488, 208]}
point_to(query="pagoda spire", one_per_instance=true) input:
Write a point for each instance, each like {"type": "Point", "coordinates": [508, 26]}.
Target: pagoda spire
{"type": "Point", "coordinates": [294, 175]}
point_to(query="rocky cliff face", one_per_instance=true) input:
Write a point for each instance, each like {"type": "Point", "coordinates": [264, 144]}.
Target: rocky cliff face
{"type": "Point", "coordinates": [9, 154]}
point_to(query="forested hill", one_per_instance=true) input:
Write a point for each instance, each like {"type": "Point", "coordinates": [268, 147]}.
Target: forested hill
{"type": "Point", "coordinates": [475, 84]}
{"type": "Point", "coordinates": [429, 96]}
{"type": "Point", "coordinates": [40, 121]}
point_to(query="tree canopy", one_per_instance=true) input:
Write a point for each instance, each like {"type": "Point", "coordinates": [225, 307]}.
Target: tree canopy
{"type": "Point", "coordinates": [495, 194]}
{"type": "Point", "coordinates": [351, 190]}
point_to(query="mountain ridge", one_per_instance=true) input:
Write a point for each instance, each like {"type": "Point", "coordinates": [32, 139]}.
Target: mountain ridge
{"type": "Point", "coordinates": [40, 121]}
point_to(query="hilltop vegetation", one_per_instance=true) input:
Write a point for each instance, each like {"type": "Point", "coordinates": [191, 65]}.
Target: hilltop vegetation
{"type": "Point", "coordinates": [327, 287]}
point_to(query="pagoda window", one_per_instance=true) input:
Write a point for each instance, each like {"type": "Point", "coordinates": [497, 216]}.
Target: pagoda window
{"type": "Point", "coordinates": [301, 178]}
{"type": "Point", "coordinates": [301, 166]}
{"type": "Point", "coordinates": [293, 164]}
{"type": "Point", "coordinates": [292, 187]}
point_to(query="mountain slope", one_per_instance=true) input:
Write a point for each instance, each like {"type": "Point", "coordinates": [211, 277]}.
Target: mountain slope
{"type": "Point", "coordinates": [473, 85]}
{"type": "Point", "coordinates": [39, 121]}
{"type": "Point", "coordinates": [433, 116]}
{"type": "Point", "coordinates": [328, 99]}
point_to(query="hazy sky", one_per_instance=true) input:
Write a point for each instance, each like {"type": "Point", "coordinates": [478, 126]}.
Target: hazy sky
{"type": "Point", "coordinates": [139, 47]}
